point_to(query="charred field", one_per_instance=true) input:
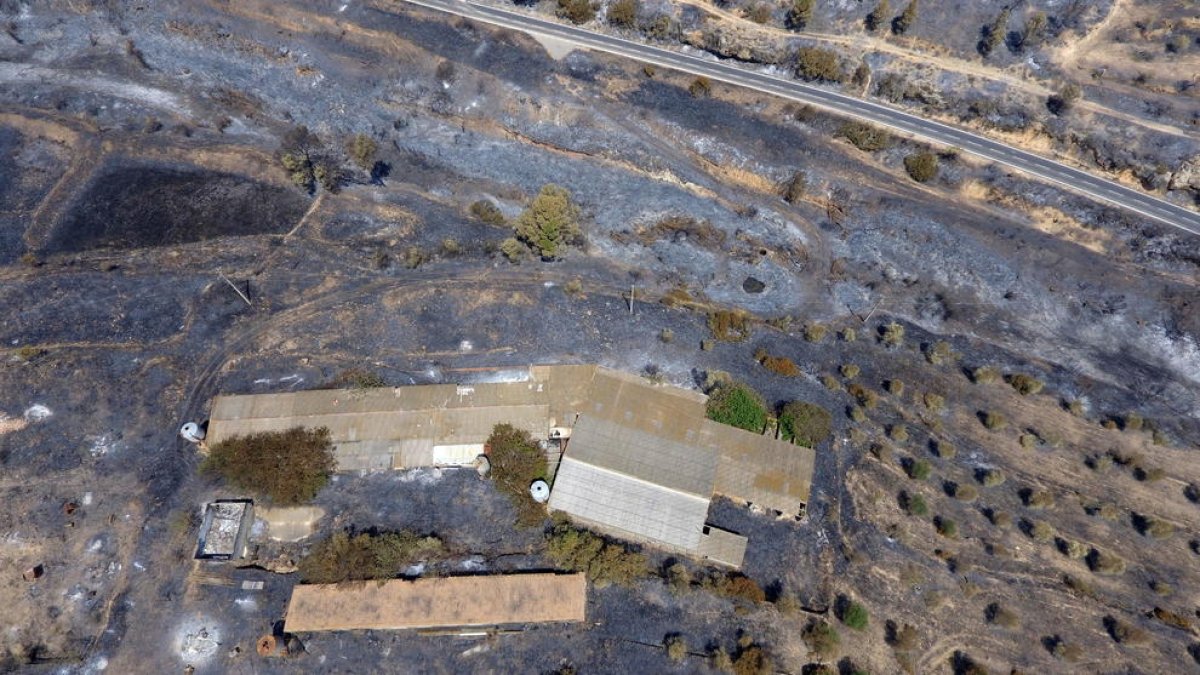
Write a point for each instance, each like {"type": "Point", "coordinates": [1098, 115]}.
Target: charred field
{"type": "Point", "coordinates": [145, 195]}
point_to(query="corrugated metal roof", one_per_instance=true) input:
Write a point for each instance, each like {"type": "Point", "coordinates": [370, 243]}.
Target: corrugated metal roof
{"type": "Point", "coordinates": [648, 457]}
{"type": "Point", "coordinates": [448, 602]}
{"type": "Point", "coordinates": [759, 469]}
{"type": "Point", "coordinates": [628, 507]}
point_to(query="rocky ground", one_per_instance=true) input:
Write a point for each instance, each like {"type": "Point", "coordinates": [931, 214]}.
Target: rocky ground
{"type": "Point", "coordinates": [144, 143]}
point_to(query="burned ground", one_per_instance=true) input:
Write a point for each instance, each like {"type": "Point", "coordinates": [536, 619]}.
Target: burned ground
{"type": "Point", "coordinates": [115, 233]}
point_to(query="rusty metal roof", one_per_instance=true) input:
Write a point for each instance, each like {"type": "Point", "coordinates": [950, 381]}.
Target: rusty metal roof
{"type": "Point", "coordinates": [446, 602]}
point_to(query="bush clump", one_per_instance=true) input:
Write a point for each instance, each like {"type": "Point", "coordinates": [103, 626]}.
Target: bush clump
{"type": "Point", "coordinates": [892, 334]}
{"type": "Point", "coordinates": [676, 648]}
{"type": "Point", "coordinates": [605, 563]}
{"type": "Point", "coordinates": [729, 326]}
{"type": "Point", "coordinates": [517, 461]}
{"type": "Point", "coordinates": [821, 638]}
{"type": "Point", "coordinates": [624, 13]}
{"type": "Point", "coordinates": [855, 615]}
{"type": "Point", "coordinates": [994, 420]}
{"type": "Point", "coordinates": [999, 615]}
{"type": "Point", "coordinates": [576, 11]}
{"type": "Point", "coordinates": [287, 467]}
{"type": "Point", "coordinates": [919, 469]}
{"type": "Point", "coordinates": [817, 64]}
{"type": "Point", "coordinates": [946, 527]}
{"type": "Point", "coordinates": [361, 557]}
{"type": "Point", "coordinates": [850, 371]}
{"type": "Point", "coordinates": [815, 332]}
{"type": "Point", "coordinates": [944, 449]}
{"type": "Point", "coordinates": [741, 587]}
{"type": "Point", "coordinates": [1124, 632]}
{"type": "Point", "coordinates": [487, 212]}
{"type": "Point", "coordinates": [985, 375]}
{"type": "Point", "coordinates": [921, 166]}
{"type": "Point", "coordinates": [990, 477]}
{"type": "Point", "coordinates": [737, 405]}
{"type": "Point", "coordinates": [805, 423]}
{"type": "Point", "coordinates": [865, 136]}
{"type": "Point", "coordinates": [1105, 564]}
{"type": "Point", "coordinates": [780, 365]}
{"type": "Point", "coordinates": [1025, 385]}
{"type": "Point", "coordinates": [914, 504]}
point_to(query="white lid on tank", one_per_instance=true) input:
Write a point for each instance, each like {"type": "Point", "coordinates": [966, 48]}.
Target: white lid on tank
{"type": "Point", "coordinates": [540, 491]}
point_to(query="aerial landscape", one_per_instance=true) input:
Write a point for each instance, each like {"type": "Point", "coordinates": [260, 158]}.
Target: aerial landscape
{"type": "Point", "coordinates": [600, 336]}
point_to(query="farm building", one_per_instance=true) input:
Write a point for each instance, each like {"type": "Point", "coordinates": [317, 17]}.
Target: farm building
{"type": "Point", "coordinates": [486, 601]}
{"type": "Point", "coordinates": [627, 457]}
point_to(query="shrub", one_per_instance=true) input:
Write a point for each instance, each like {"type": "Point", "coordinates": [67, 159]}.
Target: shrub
{"type": "Point", "coordinates": [878, 16]}
{"type": "Point", "coordinates": [914, 504]}
{"type": "Point", "coordinates": [805, 423]}
{"type": "Point", "coordinates": [946, 527]}
{"type": "Point", "coordinates": [605, 563]}
{"type": "Point", "coordinates": [815, 332]}
{"type": "Point", "coordinates": [1125, 633]}
{"type": "Point", "coordinates": [550, 222]}
{"type": "Point", "coordinates": [719, 660]}
{"type": "Point", "coordinates": [881, 452]}
{"type": "Point", "coordinates": [1161, 588]}
{"type": "Point", "coordinates": [934, 402]}
{"type": "Point", "coordinates": [855, 616]}
{"type": "Point", "coordinates": [701, 86]}
{"type": "Point", "coordinates": [894, 387]}
{"type": "Point", "coordinates": [729, 326]}
{"type": "Point", "coordinates": [516, 462]}
{"type": "Point", "coordinates": [742, 587]}
{"type": "Point", "coordinates": [576, 11]}
{"type": "Point", "coordinates": [795, 188]}
{"type": "Point", "coordinates": [780, 365]}
{"type": "Point", "coordinates": [678, 578]}
{"type": "Point", "coordinates": [919, 469]}
{"type": "Point", "coordinates": [1001, 519]}
{"type": "Point", "coordinates": [985, 375]}
{"type": "Point", "coordinates": [751, 659]}
{"type": "Point", "coordinates": [1040, 530]}
{"type": "Point", "coordinates": [737, 405]}
{"type": "Point", "coordinates": [898, 433]}
{"type": "Point", "coordinates": [287, 467]}
{"type": "Point", "coordinates": [343, 557]}
{"type": "Point", "coordinates": [857, 414]}
{"type": "Point", "coordinates": [666, 335]}
{"type": "Point", "coordinates": [1025, 384]}
{"type": "Point", "coordinates": [413, 257]}
{"type": "Point", "coordinates": [849, 335]}
{"type": "Point", "coordinates": [994, 420]}
{"type": "Point", "coordinates": [964, 492]}
{"type": "Point", "coordinates": [760, 13]}
{"type": "Point", "coordinates": [1037, 499]}
{"type": "Point", "coordinates": [357, 378]}
{"type": "Point", "coordinates": [865, 137]}
{"type": "Point", "coordinates": [907, 18]}
{"type": "Point", "coordinates": [892, 335]}
{"type": "Point", "coordinates": [940, 352]}
{"type": "Point", "coordinates": [817, 64]}
{"type": "Point", "coordinates": [1105, 563]}
{"type": "Point", "coordinates": [675, 647]}
{"type": "Point", "coordinates": [850, 371]}
{"type": "Point", "coordinates": [488, 212]}
{"type": "Point", "coordinates": [512, 249]}
{"type": "Point", "coordinates": [1062, 650]}
{"type": "Point", "coordinates": [822, 639]}
{"type": "Point", "coordinates": [1172, 619]}
{"type": "Point", "coordinates": [921, 166]}
{"type": "Point", "coordinates": [944, 449]}
{"type": "Point", "coordinates": [574, 287]}
{"type": "Point", "coordinates": [1074, 550]}
{"type": "Point", "coordinates": [362, 149]}
{"type": "Point", "coordinates": [1064, 100]}
{"type": "Point", "coordinates": [831, 383]}
{"type": "Point", "coordinates": [451, 247]}
{"type": "Point", "coordinates": [990, 477]}
{"type": "Point", "coordinates": [1028, 441]}
{"type": "Point", "coordinates": [999, 615]}
{"type": "Point", "coordinates": [1150, 526]}
{"type": "Point", "coordinates": [623, 13]}
{"type": "Point", "coordinates": [801, 13]}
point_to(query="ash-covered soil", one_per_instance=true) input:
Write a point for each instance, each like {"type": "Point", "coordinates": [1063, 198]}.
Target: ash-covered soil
{"type": "Point", "coordinates": [145, 185]}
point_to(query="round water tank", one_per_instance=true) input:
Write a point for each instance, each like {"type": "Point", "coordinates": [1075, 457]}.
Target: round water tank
{"type": "Point", "coordinates": [192, 432]}
{"type": "Point", "coordinates": [483, 465]}
{"type": "Point", "coordinates": [540, 491]}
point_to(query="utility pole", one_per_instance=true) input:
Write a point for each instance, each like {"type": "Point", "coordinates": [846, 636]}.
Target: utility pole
{"type": "Point", "coordinates": [632, 289]}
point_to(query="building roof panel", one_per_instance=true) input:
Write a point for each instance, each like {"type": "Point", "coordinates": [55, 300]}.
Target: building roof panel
{"type": "Point", "coordinates": [642, 455]}
{"type": "Point", "coordinates": [447, 602]}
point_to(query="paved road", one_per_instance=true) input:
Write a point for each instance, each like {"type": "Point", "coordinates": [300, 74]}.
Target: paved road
{"type": "Point", "coordinates": [1074, 179]}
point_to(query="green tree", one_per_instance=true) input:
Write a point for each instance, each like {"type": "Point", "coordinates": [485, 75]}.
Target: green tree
{"type": "Point", "coordinates": [517, 461]}
{"type": "Point", "coordinates": [800, 14]}
{"type": "Point", "coordinates": [362, 149]}
{"type": "Point", "coordinates": [805, 423]}
{"type": "Point", "coordinates": [287, 467]}
{"type": "Point", "coordinates": [907, 18]}
{"type": "Point", "coordinates": [878, 16]}
{"type": "Point", "coordinates": [737, 405]}
{"type": "Point", "coordinates": [624, 13]}
{"type": "Point", "coordinates": [855, 616]}
{"type": "Point", "coordinates": [604, 563]}
{"type": "Point", "coordinates": [550, 221]}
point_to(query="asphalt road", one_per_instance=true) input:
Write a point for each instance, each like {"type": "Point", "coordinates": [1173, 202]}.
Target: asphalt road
{"type": "Point", "coordinates": [1076, 180]}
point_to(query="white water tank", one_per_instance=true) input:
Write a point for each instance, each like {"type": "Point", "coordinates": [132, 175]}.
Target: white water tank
{"type": "Point", "coordinates": [192, 432]}
{"type": "Point", "coordinates": [540, 491]}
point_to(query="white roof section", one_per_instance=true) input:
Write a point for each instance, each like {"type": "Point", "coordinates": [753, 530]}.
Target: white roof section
{"type": "Point", "coordinates": [629, 507]}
